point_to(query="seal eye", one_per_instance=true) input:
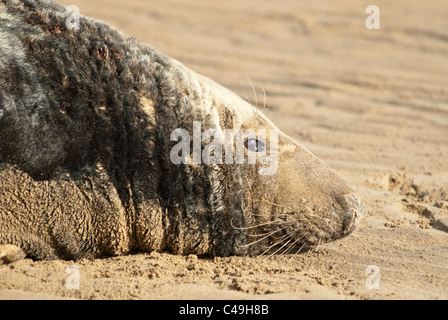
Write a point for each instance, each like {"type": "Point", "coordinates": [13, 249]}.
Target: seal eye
{"type": "Point", "coordinates": [254, 145]}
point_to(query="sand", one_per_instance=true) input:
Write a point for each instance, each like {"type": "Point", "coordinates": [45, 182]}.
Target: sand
{"type": "Point", "coordinates": [373, 104]}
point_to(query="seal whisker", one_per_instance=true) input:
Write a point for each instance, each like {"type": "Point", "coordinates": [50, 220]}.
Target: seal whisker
{"type": "Point", "coordinates": [267, 233]}
{"type": "Point", "coordinates": [275, 244]}
{"type": "Point", "coordinates": [248, 100]}
{"type": "Point", "coordinates": [252, 243]}
{"type": "Point", "coordinates": [264, 98]}
{"type": "Point", "coordinates": [298, 251]}
{"type": "Point", "coordinates": [253, 90]}
{"type": "Point", "coordinates": [255, 226]}
{"type": "Point", "coordinates": [278, 249]}
{"type": "Point", "coordinates": [255, 93]}
{"type": "Point", "coordinates": [291, 246]}
{"type": "Point", "coordinates": [258, 240]}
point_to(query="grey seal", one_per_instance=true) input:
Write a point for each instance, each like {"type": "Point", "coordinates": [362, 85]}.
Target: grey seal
{"type": "Point", "coordinates": [86, 117]}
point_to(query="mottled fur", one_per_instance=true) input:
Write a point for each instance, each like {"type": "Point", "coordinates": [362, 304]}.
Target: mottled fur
{"type": "Point", "coordinates": [85, 171]}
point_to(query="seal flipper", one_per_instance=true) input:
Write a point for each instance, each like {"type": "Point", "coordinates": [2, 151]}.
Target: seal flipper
{"type": "Point", "coordinates": [16, 246]}
{"type": "Point", "coordinates": [10, 253]}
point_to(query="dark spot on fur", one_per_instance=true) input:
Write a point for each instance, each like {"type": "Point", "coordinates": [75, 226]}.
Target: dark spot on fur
{"type": "Point", "coordinates": [102, 53]}
{"type": "Point", "coordinates": [55, 30]}
{"type": "Point", "coordinates": [34, 108]}
{"type": "Point", "coordinates": [65, 82]}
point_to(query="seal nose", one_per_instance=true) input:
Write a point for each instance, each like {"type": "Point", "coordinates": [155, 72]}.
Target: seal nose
{"type": "Point", "coordinates": [353, 214]}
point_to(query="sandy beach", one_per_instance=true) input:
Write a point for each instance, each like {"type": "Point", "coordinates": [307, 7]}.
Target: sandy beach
{"type": "Point", "coordinates": [372, 104]}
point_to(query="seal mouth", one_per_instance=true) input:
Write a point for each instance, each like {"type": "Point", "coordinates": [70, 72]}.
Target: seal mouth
{"type": "Point", "coordinates": [292, 232]}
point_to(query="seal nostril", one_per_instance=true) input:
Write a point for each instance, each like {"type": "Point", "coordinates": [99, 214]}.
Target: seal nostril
{"type": "Point", "coordinates": [353, 214]}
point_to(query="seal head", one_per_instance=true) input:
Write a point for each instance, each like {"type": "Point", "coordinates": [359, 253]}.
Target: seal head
{"type": "Point", "coordinates": [88, 121]}
{"type": "Point", "coordinates": [290, 203]}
